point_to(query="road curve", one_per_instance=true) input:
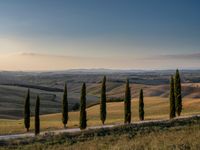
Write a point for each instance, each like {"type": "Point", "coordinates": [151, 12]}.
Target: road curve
{"type": "Point", "coordinates": [74, 130]}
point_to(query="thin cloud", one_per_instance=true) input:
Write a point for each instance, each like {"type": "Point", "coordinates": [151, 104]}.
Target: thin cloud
{"type": "Point", "coordinates": [193, 56]}
{"type": "Point", "coordinates": [55, 56]}
{"type": "Point", "coordinates": [42, 55]}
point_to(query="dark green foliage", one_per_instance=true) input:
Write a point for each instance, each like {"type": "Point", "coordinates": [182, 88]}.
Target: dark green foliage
{"type": "Point", "coordinates": [127, 104]}
{"type": "Point", "coordinates": [113, 99]}
{"type": "Point", "coordinates": [83, 119]}
{"type": "Point", "coordinates": [76, 107]}
{"type": "Point", "coordinates": [27, 111]}
{"type": "Point", "coordinates": [37, 116]}
{"type": "Point", "coordinates": [141, 105]}
{"type": "Point", "coordinates": [172, 100]}
{"type": "Point", "coordinates": [103, 101]}
{"type": "Point", "coordinates": [177, 93]}
{"type": "Point", "coordinates": [65, 107]}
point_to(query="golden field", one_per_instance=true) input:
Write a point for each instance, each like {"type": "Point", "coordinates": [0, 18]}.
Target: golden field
{"type": "Point", "coordinates": [155, 108]}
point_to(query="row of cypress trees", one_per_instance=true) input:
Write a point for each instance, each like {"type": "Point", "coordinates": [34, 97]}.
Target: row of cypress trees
{"type": "Point", "coordinates": [27, 113]}
{"type": "Point", "coordinates": [175, 104]}
{"type": "Point", "coordinates": [175, 96]}
{"type": "Point", "coordinates": [103, 99]}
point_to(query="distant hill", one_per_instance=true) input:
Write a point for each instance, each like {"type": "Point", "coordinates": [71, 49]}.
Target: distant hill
{"type": "Point", "coordinates": [49, 85]}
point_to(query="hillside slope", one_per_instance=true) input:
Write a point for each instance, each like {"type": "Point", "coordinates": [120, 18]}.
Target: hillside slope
{"type": "Point", "coordinates": [49, 85]}
{"type": "Point", "coordinates": [155, 108]}
{"type": "Point", "coordinates": [12, 97]}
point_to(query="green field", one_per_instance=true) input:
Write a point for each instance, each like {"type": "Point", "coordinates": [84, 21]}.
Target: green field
{"type": "Point", "coordinates": [155, 108]}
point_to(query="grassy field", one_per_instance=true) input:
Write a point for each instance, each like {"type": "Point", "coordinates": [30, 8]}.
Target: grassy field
{"type": "Point", "coordinates": [12, 96]}
{"type": "Point", "coordinates": [12, 101]}
{"type": "Point", "coordinates": [155, 108]}
{"type": "Point", "coordinates": [181, 134]}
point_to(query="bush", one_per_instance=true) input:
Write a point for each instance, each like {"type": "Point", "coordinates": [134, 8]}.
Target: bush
{"type": "Point", "coordinates": [76, 107]}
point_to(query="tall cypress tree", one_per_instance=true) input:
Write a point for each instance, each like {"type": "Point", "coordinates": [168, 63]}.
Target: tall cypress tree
{"type": "Point", "coordinates": [37, 116]}
{"type": "Point", "coordinates": [177, 92]}
{"type": "Point", "coordinates": [127, 103]}
{"type": "Point", "coordinates": [65, 107]}
{"type": "Point", "coordinates": [172, 99]}
{"type": "Point", "coordinates": [83, 119]}
{"type": "Point", "coordinates": [141, 105]}
{"type": "Point", "coordinates": [103, 101]}
{"type": "Point", "coordinates": [27, 111]}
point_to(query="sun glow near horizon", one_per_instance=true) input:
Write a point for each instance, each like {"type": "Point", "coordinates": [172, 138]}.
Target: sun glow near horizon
{"type": "Point", "coordinates": [64, 35]}
{"type": "Point", "coordinates": [44, 62]}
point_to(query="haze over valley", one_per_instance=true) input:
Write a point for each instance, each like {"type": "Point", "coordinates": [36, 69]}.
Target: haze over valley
{"type": "Point", "coordinates": [49, 85]}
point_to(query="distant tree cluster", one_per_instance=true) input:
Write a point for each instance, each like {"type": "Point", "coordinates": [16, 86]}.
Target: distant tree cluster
{"type": "Point", "coordinates": [175, 104]}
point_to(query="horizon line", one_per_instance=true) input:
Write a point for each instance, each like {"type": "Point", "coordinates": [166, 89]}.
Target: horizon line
{"type": "Point", "coordinates": [101, 70]}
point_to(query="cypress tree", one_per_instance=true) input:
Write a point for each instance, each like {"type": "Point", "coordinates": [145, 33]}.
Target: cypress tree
{"type": "Point", "coordinates": [27, 111]}
{"type": "Point", "coordinates": [141, 105]}
{"type": "Point", "coordinates": [177, 92]}
{"type": "Point", "coordinates": [127, 104]}
{"type": "Point", "coordinates": [172, 100]}
{"type": "Point", "coordinates": [103, 101]}
{"type": "Point", "coordinates": [83, 120]}
{"type": "Point", "coordinates": [37, 116]}
{"type": "Point", "coordinates": [65, 107]}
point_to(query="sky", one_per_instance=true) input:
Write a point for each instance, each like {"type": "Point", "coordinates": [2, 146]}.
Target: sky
{"type": "Point", "coordinates": [115, 34]}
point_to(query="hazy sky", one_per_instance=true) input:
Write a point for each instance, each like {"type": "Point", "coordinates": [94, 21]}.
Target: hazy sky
{"type": "Point", "coordinates": [123, 34]}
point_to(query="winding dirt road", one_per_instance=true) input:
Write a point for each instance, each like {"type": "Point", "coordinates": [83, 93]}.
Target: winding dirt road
{"type": "Point", "coordinates": [74, 130]}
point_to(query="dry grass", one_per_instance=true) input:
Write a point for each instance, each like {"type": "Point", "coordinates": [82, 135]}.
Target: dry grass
{"type": "Point", "coordinates": [155, 108]}
{"type": "Point", "coordinates": [163, 140]}
{"type": "Point", "coordinates": [180, 134]}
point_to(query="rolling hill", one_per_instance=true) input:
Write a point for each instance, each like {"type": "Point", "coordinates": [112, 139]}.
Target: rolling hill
{"type": "Point", "coordinates": [49, 85]}
{"type": "Point", "coordinates": [155, 108]}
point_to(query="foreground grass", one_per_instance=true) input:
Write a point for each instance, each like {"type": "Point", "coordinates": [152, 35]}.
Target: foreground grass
{"type": "Point", "coordinates": [176, 134]}
{"type": "Point", "coordinates": [175, 138]}
{"type": "Point", "coordinates": [155, 108]}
